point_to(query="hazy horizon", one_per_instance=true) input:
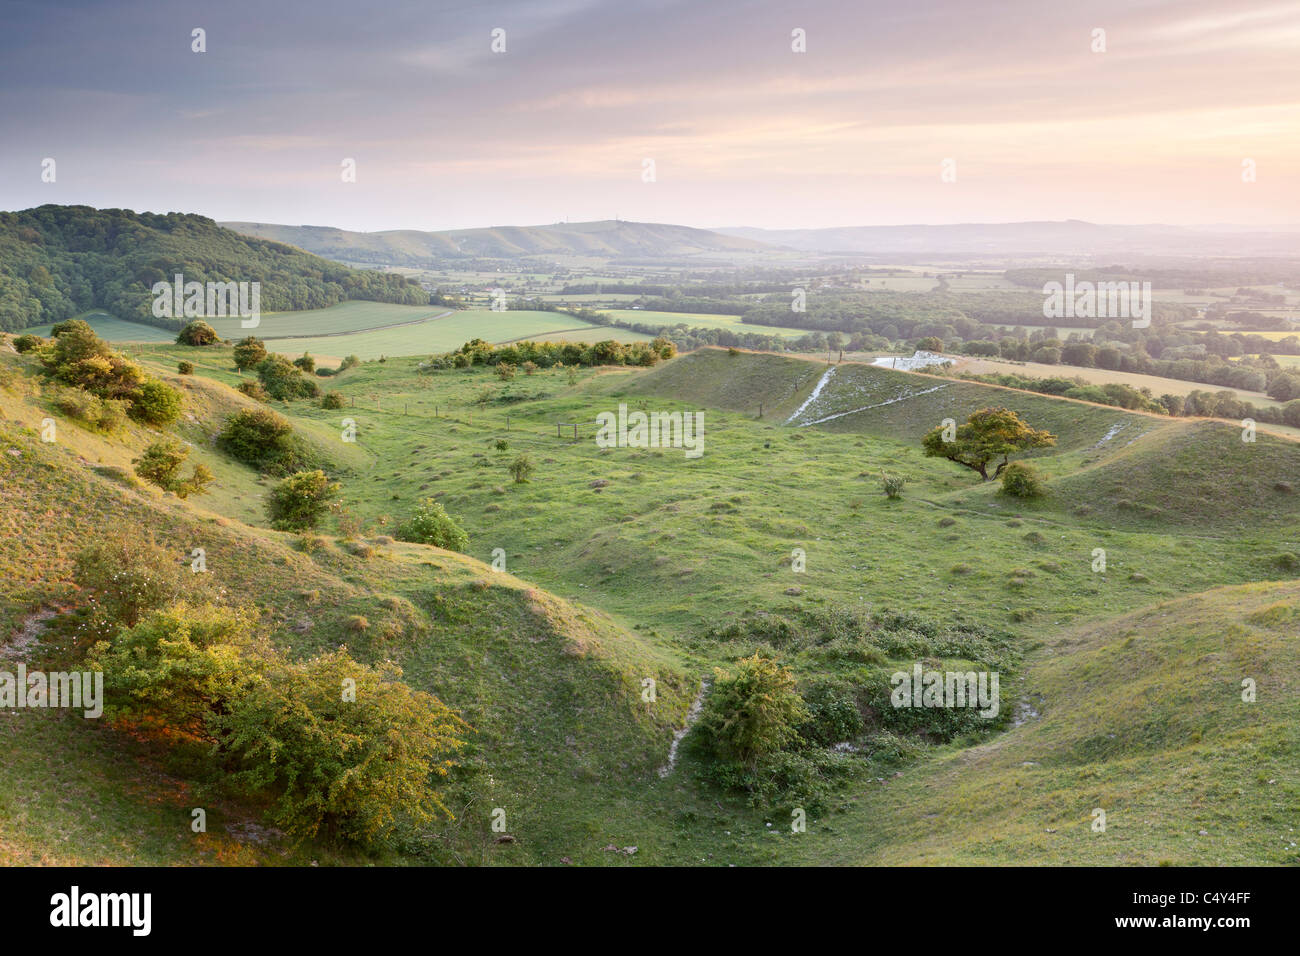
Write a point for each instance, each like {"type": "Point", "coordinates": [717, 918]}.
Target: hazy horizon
{"type": "Point", "coordinates": [743, 131]}
{"type": "Point", "coordinates": [1262, 227]}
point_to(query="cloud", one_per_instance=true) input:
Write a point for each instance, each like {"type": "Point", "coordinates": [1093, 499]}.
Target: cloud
{"type": "Point", "coordinates": [742, 128]}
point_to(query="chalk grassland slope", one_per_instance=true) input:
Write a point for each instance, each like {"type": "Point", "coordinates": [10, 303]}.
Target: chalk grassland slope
{"type": "Point", "coordinates": [553, 690]}
{"type": "Point", "coordinates": [737, 383]}
{"type": "Point", "coordinates": [1113, 468]}
{"type": "Point", "coordinates": [409, 247]}
{"type": "Point", "coordinates": [1200, 475]}
{"type": "Point", "coordinates": [677, 544]}
{"type": "Point", "coordinates": [236, 491]}
{"type": "Point", "coordinates": [681, 545]}
{"type": "Point", "coordinates": [866, 399]}
{"type": "Point", "coordinates": [1141, 717]}
{"type": "Point", "coordinates": [669, 547]}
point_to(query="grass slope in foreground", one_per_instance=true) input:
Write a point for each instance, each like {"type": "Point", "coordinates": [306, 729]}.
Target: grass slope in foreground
{"type": "Point", "coordinates": [661, 549]}
{"type": "Point", "coordinates": [1141, 716]}
{"type": "Point", "coordinates": [562, 738]}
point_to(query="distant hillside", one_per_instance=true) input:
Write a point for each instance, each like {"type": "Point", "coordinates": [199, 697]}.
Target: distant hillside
{"type": "Point", "coordinates": [60, 261]}
{"type": "Point", "coordinates": [610, 238]}
{"type": "Point", "coordinates": [1071, 237]}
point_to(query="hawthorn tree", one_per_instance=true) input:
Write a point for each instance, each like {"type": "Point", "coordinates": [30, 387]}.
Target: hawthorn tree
{"type": "Point", "coordinates": [989, 434]}
{"type": "Point", "coordinates": [161, 465]}
{"type": "Point", "coordinates": [753, 712]}
{"type": "Point", "coordinates": [301, 500]}
{"type": "Point", "coordinates": [248, 352]}
{"type": "Point", "coordinates": [197, 333]}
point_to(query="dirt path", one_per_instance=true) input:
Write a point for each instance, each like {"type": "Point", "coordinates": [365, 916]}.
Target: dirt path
{"type": "Point", "coordinates": [22, 641]}
{"type": "Point", "coordinates": [692, 715]}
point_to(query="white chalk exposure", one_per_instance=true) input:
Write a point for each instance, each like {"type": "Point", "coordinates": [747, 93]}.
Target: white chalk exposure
{"type": "Point", "coordinates": [918, 360]}
{"type": "Point", "coordinates": [826, 377]}
{"type": "Point", "coordinates": [864, 408]}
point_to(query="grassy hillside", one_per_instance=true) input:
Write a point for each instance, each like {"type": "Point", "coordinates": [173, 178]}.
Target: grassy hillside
{"type": "Point", "coordinates": [552, 691]}
{"type": "Point", "coordinates": [869, 400]}
{"type": "Point", "coordinates": [1201, 475]}
{"type": "Point", "coordinates": [1142, 717]}
{"type": "Point", "coordinates": [623, 563]}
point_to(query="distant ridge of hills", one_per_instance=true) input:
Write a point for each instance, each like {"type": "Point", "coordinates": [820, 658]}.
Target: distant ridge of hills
{"type": "Point", "coordinates": [621, 239]}
{"type": "Point", "coordinates": [609, 238]}
{"type": "Point", "coordinates": [1070, 237]}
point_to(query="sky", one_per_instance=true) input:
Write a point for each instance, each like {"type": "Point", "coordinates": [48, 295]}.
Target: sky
{"type": "Point", "coordinates": [912, 111]}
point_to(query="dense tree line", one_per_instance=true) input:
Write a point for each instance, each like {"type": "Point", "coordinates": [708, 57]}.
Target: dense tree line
{"type": "Point", "coordinates": [1201, 275]}
{"type": "Point", "coordinates": [680, 303]}
{"type": "Point", "coordinates": [701, 290]}
{"type": "Point", "coordinates": [906, 315]}
{"type": "Point", "coordinates": [60, 261]}
{"type": "Point", "coordinates": [531, 355]}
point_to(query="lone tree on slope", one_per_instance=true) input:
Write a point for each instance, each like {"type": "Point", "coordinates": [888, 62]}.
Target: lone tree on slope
{"type": "Point", "coordinates": [987, 435]}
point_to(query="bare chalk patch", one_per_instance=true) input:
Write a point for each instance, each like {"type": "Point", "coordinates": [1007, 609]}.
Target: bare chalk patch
{"type": "Point", "coordinates": [692, 715]}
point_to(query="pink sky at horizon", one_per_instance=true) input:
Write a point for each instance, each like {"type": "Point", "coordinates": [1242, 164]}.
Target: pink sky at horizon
{"type": "Point", "coordinates": [742, 130]}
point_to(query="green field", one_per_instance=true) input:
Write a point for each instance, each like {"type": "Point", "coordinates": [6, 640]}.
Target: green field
{"type": "Point", "coordinates": [446, 334]}
{"type": "Point", "coordinates": [701, 320]}
{"type": "Point", "coordinates": [370, 330]}
{"type": "Point", "coordinates": [593, 333]}
{"type": "Point", "coordinates": [623, 563]}
{"type": "Point", "coordinates": [587, 298]}
{"type": "Point", "coordinates": [336, 320]}
{"type": "Point", "coordinates": [112, 329]}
